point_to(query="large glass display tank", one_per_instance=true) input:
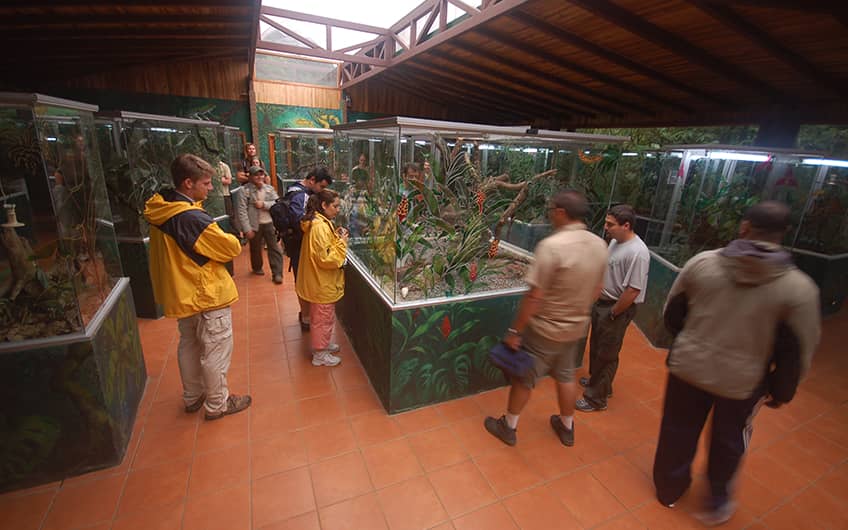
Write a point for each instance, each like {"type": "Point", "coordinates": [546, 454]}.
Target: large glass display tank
{"type": "Point", "coordinates": [70, 355]}
{"type": "Point", "coordinates": [701, 193]}
{"type": "Point", "coordinates": [433, 279]}
{"type": "Point", "coordinates": [137, 150]}
{"type": "Point", "coordinates": [298, 150]}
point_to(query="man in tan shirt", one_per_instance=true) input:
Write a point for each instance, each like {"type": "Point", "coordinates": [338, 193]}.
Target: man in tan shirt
{"type": "Point", "coordinates": [565, 279]}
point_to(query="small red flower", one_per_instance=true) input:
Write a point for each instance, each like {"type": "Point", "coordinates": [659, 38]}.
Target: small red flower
{"type": "Point", "coordinates": [419, 197]}
{"type": "Point", "coordinates": [481, 198]}
{"type": "Point", "coordinates": [446, 327]}
{"type": "Point", "coordinates": [472, 272]}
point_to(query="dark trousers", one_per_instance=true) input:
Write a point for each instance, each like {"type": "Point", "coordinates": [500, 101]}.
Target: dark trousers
{"type": "Point", "coordinates": [266, 236]}
{"type": "Point", "coordinates": [684, 414]}
{"type": "Point", "coordinates": [605, 342]}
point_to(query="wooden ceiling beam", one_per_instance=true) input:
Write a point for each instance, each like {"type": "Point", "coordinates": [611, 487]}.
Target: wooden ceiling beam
{"type": "Point", "coordinates": [13, 21]}
{"type": "Point", "coordinates": [674, 44]}
{"type": "Point", "coordinates": [500, 96]}
{"type": "Point", "coordinates": [737, 23]}
{"type": "Point", "coordinates": [820, 6]}
{"type": "Point", "coordinates": [463, 25]}
{"type": "Point", "coordinates": [429, 93]}
{"type": "Point", "coordinates": [314, 19]}
{"type": "Point", "coordinates": [545, 76]}
{"type": "Point", "coordinates": [495, 103]}
{"type": "Point", "coordinates": [587, 46]}
{"type": "Point", "coordinates": [530, 49]}
{"type": "Point", "coordinates": [553, 95]}
{"type": "Point", "coordinates": [320, 53]}
{"type": "Point", "coordinates": [494, 84]}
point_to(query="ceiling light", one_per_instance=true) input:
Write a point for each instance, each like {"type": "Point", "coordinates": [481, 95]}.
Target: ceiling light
{"type": "Point", "coordinates": [825, 162]}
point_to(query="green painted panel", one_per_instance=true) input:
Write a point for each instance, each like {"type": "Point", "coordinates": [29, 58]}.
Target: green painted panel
{"type": "Point", "coordinates": [649, 315]}
{"type": "Point", "coordinates": [440, 352]}
{"type": "Point", "coordinates": [69, 407]}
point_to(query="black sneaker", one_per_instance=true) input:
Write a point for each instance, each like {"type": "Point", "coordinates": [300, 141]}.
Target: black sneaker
{"type": "Point", "coordinates": [500, 430]}
{"type": "Point", "coordinates": [259, 272]}
{"type": "Point", "coordinates": [583, 405]}
{"type": "Point", "coordinates": [584, 381]}
{"type": "Point", "coordinates": [566, 435]}
{"type": "Point", "coordinates": [278, 279]}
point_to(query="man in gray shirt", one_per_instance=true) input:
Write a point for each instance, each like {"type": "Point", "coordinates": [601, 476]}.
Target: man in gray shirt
{"type": "Point", "coordinates": [625, 283]}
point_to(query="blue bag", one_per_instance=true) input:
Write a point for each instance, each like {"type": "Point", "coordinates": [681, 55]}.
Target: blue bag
{"type": "Point", "coordinates": [514, 363]}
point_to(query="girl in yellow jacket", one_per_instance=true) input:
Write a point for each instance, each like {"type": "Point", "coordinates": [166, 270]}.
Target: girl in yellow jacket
{"type": "Point", "coordinates": [320, 279]}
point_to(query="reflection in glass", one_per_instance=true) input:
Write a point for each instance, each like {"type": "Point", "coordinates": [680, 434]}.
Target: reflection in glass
{"type": "Point", "coordinates": [59, 253]}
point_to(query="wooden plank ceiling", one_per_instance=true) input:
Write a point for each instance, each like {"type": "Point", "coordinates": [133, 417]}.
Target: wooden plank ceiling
{"type": "Point", "coordinates": [579, 63]}
{"type": "Point", "coordinates": [50, 42]}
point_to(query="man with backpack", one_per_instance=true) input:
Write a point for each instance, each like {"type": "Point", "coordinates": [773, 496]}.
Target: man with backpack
{"type": "Point", "coordinates": [286, 215]}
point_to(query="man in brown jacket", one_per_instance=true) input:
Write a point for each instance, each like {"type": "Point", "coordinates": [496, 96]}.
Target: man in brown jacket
{"type": "Point", "coordinates": [736, 312]}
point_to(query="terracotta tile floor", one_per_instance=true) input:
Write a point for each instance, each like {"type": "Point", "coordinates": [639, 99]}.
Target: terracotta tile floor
{"type": "Point", "coordinates": [316, 450]}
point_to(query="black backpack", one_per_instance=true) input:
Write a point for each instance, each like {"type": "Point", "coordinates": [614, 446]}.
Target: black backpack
{"type": "Point", "coordinates": [286, 217]}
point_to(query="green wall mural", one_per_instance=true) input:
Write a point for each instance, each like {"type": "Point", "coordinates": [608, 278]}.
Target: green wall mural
{"type": "Point", "coordinates": [272, 117]}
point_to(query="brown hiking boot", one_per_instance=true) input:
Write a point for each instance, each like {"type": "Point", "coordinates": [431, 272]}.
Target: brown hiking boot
{"type": "Point", "coordinates": [234, 404]}
{"type": "Point", "coordinates": [194, 407]}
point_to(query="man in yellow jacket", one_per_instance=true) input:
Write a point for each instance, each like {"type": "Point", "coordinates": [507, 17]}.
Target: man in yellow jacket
{"type": "Point", "coordinates": [188, 251]}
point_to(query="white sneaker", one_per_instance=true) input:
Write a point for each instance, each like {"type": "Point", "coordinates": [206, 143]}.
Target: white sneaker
{"type": "Point", "coordinates": [717, 516]}
{"type": "Point", "coordinates": [334, 348]}
{"type": "Point", "coordinates": [325, 358]}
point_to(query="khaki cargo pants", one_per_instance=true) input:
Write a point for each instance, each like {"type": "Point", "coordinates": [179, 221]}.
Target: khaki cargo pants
{"type": "Point", "coordinates": [204, 353]}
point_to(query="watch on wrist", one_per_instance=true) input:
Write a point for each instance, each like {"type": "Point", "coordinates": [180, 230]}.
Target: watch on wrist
{"type": "Point", "coordinates": [513, 331]}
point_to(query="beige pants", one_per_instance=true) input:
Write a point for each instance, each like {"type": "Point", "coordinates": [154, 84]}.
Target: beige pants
{"type": "Point", "coordinates": [204, 353]}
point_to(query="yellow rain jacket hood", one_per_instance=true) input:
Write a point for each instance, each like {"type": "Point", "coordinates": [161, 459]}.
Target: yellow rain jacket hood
{"type": "Point", "coordinates": [188, 251]}
{"type": "Point", "coordinates": [320, 277]}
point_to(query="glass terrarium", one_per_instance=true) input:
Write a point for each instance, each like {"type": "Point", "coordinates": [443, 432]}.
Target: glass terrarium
{"type": "Point", "coordinates": [70, 355]}
{"type": "Point", "coordinates": [432, 207]}
{"type": "Point", "coordinates": [137, 150]}
{"type": "Point", "coordinates": [60, 259]}
{"type": "Point", "coordinates": [701, 192]}
{"type": "Point", "coordinates": [703, 198]}
{"type": "Point", "coordinates": [233, 152]}
{"type": "Point", "coordinates": [301, 148]}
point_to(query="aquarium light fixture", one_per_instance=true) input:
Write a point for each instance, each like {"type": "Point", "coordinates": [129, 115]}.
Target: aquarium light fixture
{"type": "Point", "coordinates": [52, 139]}
{"type": "Point", "coordinates": [163, 129]}
{"type": "Point", "coordinates": [420, 142]}
{"type": "Point", "coordinates": [530, 150]}
{"type": "Point", "coordinates": [630, 154]}
{"type": "Point", "coordinates": [650, 155]}
{"type": "Point", "coordinates": [487, 147]}
{"type": "Point", "coordinates": [825, 162]}
{"type": "Point", "coordinates": [743, 157]}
